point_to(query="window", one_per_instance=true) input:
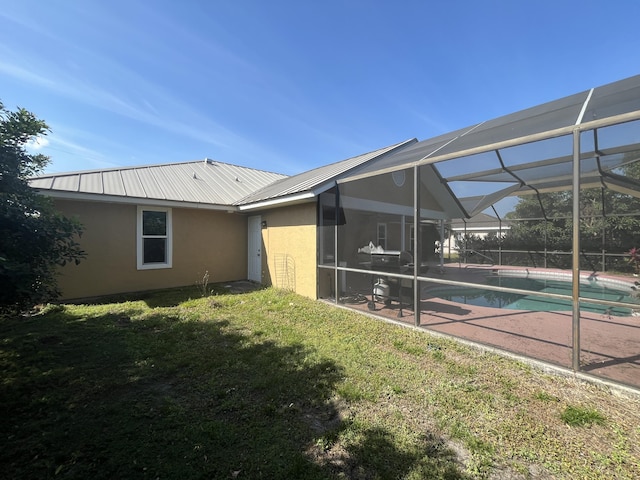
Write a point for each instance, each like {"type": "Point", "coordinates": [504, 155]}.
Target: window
{"type": "Point", "coordinates": [154, 238]}
{"type": "Point", "coordinates": [382, 235]}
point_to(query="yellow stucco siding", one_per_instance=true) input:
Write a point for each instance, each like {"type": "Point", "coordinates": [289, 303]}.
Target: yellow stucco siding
{"type": "Point", "coordinates": [210, 241]}
{"type": "Point", "coordinates": [203, 240]}
{"type": "Point", "coordinates": [290, 246]}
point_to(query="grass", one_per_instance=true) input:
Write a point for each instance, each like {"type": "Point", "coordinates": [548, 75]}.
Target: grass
{"type": "Point", "coordinates": [271, 385]}
{"type": "Point", "coordinates": [579, 417]}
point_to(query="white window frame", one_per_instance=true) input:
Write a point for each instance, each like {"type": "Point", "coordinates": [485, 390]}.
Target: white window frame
{"type": "Point", "coordinates": [383, 237]}
{"type": "Point", "coordinates": [140, 243]}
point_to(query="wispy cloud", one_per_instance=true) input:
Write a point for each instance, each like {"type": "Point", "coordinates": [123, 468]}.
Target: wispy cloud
{"type": "Point", "coordinates": [68, 149]}
{"type": "Point", "coordinates": [37, 143]}
{"type": "Point", "coordinates": [143, 101]}
{"type": "Point", "coordinates": [86, 74]}
{"type": "Point", "coordinates": [23, 74]}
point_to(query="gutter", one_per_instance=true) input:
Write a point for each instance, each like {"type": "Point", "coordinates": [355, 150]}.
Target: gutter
{"type": "Point", "coordinates": [300, 198]}
{"type": "Point", "coordinates": [94, 197]}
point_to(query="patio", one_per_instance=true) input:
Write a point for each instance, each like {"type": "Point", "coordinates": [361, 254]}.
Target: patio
{"type": "Point", "coordinates": [610, 345]}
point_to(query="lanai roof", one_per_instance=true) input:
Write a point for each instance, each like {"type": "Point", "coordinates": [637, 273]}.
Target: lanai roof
{"type": "Point", "coordinates": [532, 150]}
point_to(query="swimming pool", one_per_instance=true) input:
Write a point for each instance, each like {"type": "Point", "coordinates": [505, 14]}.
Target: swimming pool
{"type": "Point", "coordinates": [515, 301]}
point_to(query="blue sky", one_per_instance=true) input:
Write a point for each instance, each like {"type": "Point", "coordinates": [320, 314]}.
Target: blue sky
{"type": "Point", "coordinates": [287, 86]}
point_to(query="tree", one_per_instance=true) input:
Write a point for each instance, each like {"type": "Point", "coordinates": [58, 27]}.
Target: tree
{"type": "Point", "coordinates": [609, 220]}
{"type": "Point", "coordinates": [35, 240]}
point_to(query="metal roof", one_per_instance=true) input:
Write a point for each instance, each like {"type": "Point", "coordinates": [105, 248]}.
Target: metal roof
{"type": "Point", "coordinates": [204, 183]}
{"type": "Point", "coordinates": [312, 182]}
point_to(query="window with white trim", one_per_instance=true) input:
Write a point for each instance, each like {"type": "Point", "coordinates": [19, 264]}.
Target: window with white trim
{"type": "Point", "coordinates": [154, 242]}
{"type": "Point", "coordinates": [382, 235]}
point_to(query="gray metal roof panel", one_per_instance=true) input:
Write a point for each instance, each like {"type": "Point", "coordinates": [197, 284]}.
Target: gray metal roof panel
{"type": "Point", "coordinates": [91, 183]}
{"type": "Point", "coordinates": [43, 183]}
{"type": "Point", "coordinates": [310, 180]}
{"type": "Point", "coordinates": [131, 183]}
{"type": "Point", "coordinates": [68, 183]}
{"type": "Point", "coordinates": [149, 184]}
{"type": "Point", "coordinates": [207, 182]}
{"type": "Point", "coordinates": [189, 179]}
{"type": "Point", "coordinates": [113, 184]}
{"type": "Point", "coordinates": [170, 181]}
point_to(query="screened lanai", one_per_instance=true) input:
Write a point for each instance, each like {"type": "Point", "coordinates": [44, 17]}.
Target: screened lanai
{"type": "Point", "coordinates": [381, 231]}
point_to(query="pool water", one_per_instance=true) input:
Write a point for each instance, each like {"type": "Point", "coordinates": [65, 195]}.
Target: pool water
{"type": "Point", "coordinates": [489, 298]}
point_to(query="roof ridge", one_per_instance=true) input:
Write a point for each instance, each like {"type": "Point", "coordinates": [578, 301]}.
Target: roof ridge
{"type": "Point", "coordinates": [284, 175]}
{"type": "Point", "coordinates": [153, 165]}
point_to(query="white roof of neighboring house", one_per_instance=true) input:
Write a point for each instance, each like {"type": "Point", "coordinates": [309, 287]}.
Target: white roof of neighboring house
{"type": "Point", "coordinates": [480, 222]}
{"type": "Point", "coordinates": [197, 183]}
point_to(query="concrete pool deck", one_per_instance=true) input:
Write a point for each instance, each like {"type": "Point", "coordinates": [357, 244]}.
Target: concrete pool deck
{"type": "Point", "coordinates": [610, 345]}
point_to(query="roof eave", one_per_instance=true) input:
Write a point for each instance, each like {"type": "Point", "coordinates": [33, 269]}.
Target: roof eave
{"type": "Point", "coordinates": [278, 202]}
{"type": "Point", "coordinates": [91, 197]}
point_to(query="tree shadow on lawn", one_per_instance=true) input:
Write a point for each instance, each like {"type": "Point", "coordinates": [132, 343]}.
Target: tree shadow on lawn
{"type": "Point", "coordinates": [172, 297]}
{"type": "Point", "coordinates": [114, 396]}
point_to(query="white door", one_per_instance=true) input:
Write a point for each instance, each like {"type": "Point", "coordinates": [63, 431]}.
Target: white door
{"type": "Point", "coordinates": [255, 249]}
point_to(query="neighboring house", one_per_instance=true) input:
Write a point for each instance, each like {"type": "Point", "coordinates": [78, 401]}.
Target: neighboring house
{"type": "Point", "coordinates": [479, 225]}
{"type": "Point", "coordinates": [163, 226]}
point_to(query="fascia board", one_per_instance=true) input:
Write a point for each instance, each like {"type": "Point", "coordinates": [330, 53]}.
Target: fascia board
{"type": "Point", "coordinates": [277, 202]}
{"type": "Point", "coordinates": [135, 200]}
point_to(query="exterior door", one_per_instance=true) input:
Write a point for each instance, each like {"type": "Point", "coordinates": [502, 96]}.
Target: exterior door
{"type": "Point", "coordinates": [255, 249]}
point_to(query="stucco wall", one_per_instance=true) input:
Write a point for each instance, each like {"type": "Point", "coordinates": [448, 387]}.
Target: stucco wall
{"type": "Point", "coordinates": [290, 248]}
{"type": "Point", "coordinates": [203, 240]}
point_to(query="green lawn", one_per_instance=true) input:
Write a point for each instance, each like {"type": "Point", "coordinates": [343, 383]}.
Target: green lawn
{"type": "Point", "coordinates": [271, 385]}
